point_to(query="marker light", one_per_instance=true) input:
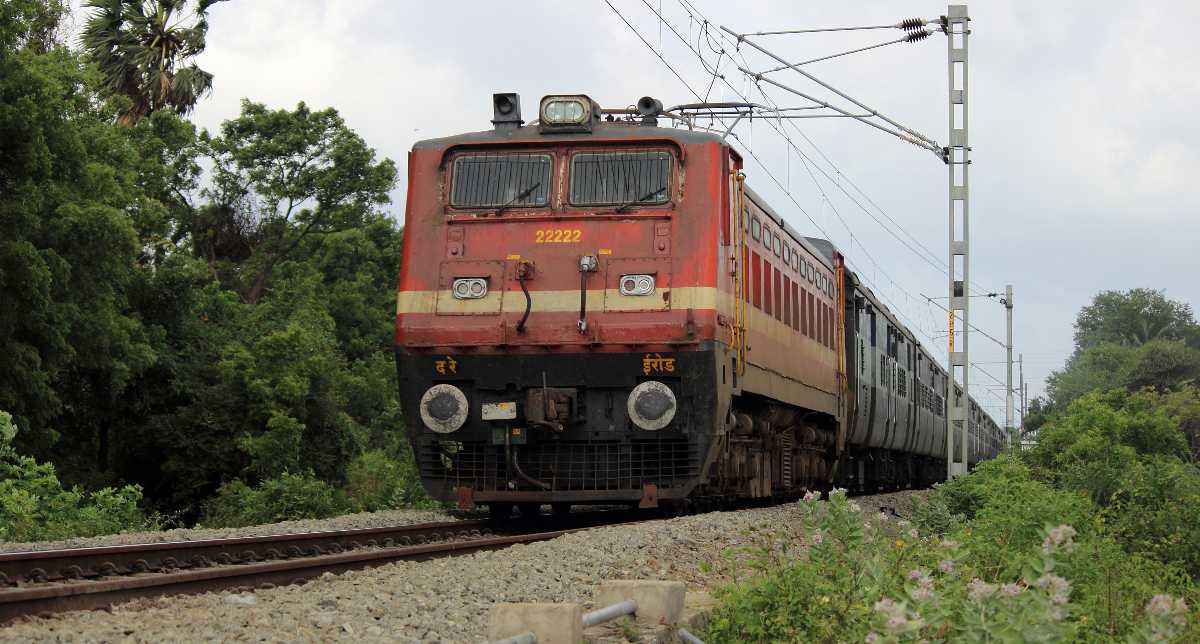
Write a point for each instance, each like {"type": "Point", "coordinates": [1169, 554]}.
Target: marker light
{"type": "Point", "coordinates": [637, 284]}
{"type": "Point", "coordinates": [469, 288]}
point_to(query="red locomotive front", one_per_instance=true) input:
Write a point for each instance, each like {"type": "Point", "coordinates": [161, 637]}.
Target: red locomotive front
{"type": "Point", "coordinates": [558, 335]}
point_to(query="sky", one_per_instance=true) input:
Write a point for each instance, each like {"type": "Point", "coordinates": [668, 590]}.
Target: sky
{"type": "Point", "coordinates": [1084, 148]}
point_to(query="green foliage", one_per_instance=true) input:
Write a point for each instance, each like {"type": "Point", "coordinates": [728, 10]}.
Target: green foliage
{"type": "Point", "coordinates": [34, 505]}
{"type": "Point", "coordinates": [172, 337]}
{"type": "Point", "coordinates": [1134, 318]}
{"type": "Point", "coordinates": [1128, 340]}
{"type": "Point", "coordinates": [376, 481]}
{"type": "Point", "coordinates": [284, 498]}
{"type": "Point", "coordinates": [856, 578]}
{"type": "Point", "coordinates": [280, 178]}
{"type": "Point", "coordinates": [144, 49]}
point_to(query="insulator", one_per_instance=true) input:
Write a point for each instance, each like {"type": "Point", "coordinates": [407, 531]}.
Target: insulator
{"type": "Point", "coordinates": [914, 36]}
{"type": "Point", "coordinates": [912, 24]}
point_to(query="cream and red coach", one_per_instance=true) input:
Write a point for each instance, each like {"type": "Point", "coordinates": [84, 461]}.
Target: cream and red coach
{"type": "Point", "coordinates": [575, 324]}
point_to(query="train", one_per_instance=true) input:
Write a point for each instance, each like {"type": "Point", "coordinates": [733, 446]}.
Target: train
{"type": "Point", "coordinates": [595, 309]}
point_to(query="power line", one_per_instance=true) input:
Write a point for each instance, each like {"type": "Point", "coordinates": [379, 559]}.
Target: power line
{"type": "Point", "coordinates": [793, 145]}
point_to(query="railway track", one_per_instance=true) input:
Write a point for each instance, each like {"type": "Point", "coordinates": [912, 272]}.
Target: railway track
{"type": "Point", "coordinates": [50, 581]}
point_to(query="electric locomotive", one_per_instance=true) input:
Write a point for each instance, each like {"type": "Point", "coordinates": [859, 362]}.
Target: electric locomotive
{"type": "Point", "coordinates": [594, 309]}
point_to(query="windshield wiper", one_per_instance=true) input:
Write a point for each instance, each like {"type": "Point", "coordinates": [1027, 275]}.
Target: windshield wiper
{"type": "Point", "coordinates": [625, 206]}
{"type": "Point", "coordinates": [520, 195]}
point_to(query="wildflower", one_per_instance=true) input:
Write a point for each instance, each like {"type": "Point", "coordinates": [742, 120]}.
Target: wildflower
{"type": "Point", "coordinates": [950, 544]}
{"type": "Point", "coordinates": [979, 589]}
{"type": "Point", "coordinates": [884, 517]}
{"type": "Point", "coordinates": [818, 537]}
{"type": "Point", "coordinates": [1058, 538]}
{"type": "Point", "coordinates": [946, 566]}
{"type": "Point", "coordinates": [812, 496]}
{"type": "Point", "coordinates": [913, 534]}
{"type": "Point", "coordinates": [872, 637]}
{"type": "Point", "coordinates": [1166, 605]}
{"type": "Point", "coordinates": [920, 593]}
{"type": "Point", "coordinates": [903, 523]}
{"type": "Point", "coordinates": [1011, 590]}
{"type": "Point", "coordinates": [1058, 588]}
{"type": "Point", "coordinates": [899, 543]}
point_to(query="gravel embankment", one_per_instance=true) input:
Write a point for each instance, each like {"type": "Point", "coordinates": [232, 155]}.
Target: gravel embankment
{"type": "Point", "coordinates": [443, 600]}
{"type": "Point", "coordinates": [347, 522]}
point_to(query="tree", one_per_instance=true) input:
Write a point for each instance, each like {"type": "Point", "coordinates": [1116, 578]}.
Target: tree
{"type": "Point", "coordinates": [280, 178]}
{"type": "Point", "coordinates": [1134, 318]}
{"type": "Point", "coordinates": [68, 181]}
{"type": "Point", "coordinates": [143, 50]}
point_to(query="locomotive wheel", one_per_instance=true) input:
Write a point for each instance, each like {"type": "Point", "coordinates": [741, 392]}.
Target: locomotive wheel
{"type": "Point", "coordinates": [529, 511]}
{"type": "Point", "coordinates": [500, 511]}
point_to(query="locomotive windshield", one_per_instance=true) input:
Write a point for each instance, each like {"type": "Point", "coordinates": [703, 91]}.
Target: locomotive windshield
{"type": "Point", "coordinates": [501, 181]}
{"type": "Point", "coordinates": [622, 178]}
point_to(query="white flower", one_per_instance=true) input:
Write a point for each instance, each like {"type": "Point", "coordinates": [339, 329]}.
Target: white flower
{"type": "Point", "coordinates": [920, 593]}
{"type": "Point", "coordinates": [1058, 588]}
{"type": "Point", "coordinates": [818, 537]}
{"type": "Point", "coordinates": [1011, 590]}
{"type": "Point", "coordinates": [913, 534]}
{"type": "Point", "coordinates": [1058, 538]}
{"type": "Point", "coordinates": [872, 637]}
{"type": "Point", "coordinates": [979, 589]}
{"type": "Point", "coordinates": [946, 566]}
{"type": "Point", "coordinates": [812, 496]}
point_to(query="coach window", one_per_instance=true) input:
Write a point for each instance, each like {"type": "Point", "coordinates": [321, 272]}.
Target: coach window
{"type": "Point", "coordinates": [787, 255]}
{"type": "Point", "coordinates": [500, 181]}
{"type": "Point", "coordinates": [777, 246]}
{"type": "Point", "coordinates": [755, 228]}
{"type": "Point", "coordinates": [622, 179]}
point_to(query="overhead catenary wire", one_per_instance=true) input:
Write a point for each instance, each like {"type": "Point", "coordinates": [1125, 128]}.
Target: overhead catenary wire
{"type": "Point", "coordinates": [775, 179]}
{"type": "Point", "coordinates": [907, 25]}
{"type": "Point", "coordinates": [713, 71]}
{"type": "Point", "coordinates": [930, 258]}
{"type": "Point", "coordinates": [879, 292]}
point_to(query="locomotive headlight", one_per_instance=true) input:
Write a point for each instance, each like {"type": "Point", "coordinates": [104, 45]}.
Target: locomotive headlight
{"type": "Point", "coordinates": [444, 408]}
{"type": "Point", "coordinates": [469, 288]}
{"type": "Point", "coordinates": [637, 284]}
{"type": "Point", "coordinates": [651, 405]}
{"type": "Point", "coordinates": [566, 110]}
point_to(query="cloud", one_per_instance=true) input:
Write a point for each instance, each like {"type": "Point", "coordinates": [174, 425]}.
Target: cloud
{"type": "Point", "coordinates": [1085, 148]}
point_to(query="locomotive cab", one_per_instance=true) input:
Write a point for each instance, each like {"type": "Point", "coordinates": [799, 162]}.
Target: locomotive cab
{"type": "Point", "coordinates": [555, 319]}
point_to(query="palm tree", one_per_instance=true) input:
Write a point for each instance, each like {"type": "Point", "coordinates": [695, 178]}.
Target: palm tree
{"type": "Point", "coordinates": [144, 48]}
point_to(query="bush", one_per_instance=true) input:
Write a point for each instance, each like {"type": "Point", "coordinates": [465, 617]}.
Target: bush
{"type": "Point", "coordinates": [842, 576]}
{"type": "Point", "coordinates": [376, 481]}
{"type": "Point", "coordinates": [34, 505]}
{"type": "Point", "coordinates": [285, 498]}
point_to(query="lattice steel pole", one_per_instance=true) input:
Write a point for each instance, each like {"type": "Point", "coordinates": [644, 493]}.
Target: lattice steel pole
{"type": "Point", "coordinates": [956, 26]}
{"type": "Point", "coordinates": [1008, 407]}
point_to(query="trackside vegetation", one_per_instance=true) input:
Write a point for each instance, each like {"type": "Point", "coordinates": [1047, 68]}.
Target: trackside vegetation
{"type": "Point", "coordinates": [196, 325]}
{"type": "Point", "coordinates": [1090, 534]}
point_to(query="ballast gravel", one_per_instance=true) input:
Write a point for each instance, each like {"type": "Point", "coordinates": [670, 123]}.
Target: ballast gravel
{"type": "Point", "coordinates": [346, 522]}
{"type": "Point", "coordinates": [444, 600]}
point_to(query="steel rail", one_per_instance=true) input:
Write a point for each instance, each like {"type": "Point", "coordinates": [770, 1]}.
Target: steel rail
{"type": "Point", "coordinates": [102, 561]}
{"type": "Point", "coordinates": [39, 599]}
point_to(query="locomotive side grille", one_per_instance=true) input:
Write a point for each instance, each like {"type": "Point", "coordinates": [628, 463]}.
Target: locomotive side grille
{"type": "Point", "coordinates": [567, 465]}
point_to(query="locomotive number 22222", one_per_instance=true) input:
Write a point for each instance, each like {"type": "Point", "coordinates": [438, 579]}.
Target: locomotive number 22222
{"type": "Point", "coordinates": [558, 236]}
